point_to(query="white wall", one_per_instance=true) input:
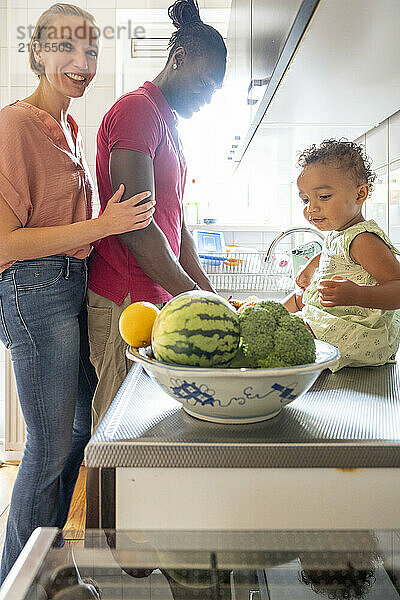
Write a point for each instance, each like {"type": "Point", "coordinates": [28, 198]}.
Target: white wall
{"type": "Point", "coordinates": [272, 195]}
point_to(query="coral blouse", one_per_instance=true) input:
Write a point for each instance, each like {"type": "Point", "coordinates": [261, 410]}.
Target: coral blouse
{"type": "Point", "coordinates": [42, 179]}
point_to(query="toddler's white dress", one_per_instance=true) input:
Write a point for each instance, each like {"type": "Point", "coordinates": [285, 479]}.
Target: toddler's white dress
{"type": "Point", "coordinates": [364, 336]}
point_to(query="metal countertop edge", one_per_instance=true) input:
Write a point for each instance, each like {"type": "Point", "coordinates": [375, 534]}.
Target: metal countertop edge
{"type": "Point", "coordinates": [338, 456]}
{"type": "Point", "coordinates": [234, 445]}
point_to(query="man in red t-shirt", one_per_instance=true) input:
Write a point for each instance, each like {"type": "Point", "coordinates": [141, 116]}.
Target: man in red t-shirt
{"type": "Point", "coordinates": [138, 145]}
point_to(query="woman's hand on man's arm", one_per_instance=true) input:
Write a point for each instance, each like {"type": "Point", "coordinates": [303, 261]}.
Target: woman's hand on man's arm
{"type": "Point", "coordinates": [21, 243]}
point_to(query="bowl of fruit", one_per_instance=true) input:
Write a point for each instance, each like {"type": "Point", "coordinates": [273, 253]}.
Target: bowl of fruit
{"type": "Point", "coordinates": [230, 366]}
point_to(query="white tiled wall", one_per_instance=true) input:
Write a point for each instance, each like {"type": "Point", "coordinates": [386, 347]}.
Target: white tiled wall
{"type": "Point", "coordinates": [277, 203]}
{"type": "Point", "coordinates": [261, 240]}
{"type": "Point", "coordinates": [382, 145]}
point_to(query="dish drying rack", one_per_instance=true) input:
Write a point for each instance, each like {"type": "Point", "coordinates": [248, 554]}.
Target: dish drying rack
{"type": "Point", "coordinates": [248, 272]}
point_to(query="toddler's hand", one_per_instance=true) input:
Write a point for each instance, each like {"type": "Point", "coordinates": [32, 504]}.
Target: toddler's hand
{"type": "Point", "coordinates": [306, 272]}
{"type": "Point", "coordinates": [338, 291]}
{"type": "Point", "coordinates": [303, 279]}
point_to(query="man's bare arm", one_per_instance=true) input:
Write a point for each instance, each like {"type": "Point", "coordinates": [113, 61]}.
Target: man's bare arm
{"type": "Point", "coordinates": [189, 259]}
{"type": "Point", "coordinates": [150, 248]}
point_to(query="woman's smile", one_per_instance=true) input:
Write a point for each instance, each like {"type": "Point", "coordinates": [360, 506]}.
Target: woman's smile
{"type": "Point", "coordinates": [77, 80]}
{"type": "Point", "coordinates": [76, 77]}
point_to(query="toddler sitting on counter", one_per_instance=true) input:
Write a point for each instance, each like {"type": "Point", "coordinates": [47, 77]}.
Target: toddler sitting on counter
{"type": "Point", "coordinates": [351, 290]}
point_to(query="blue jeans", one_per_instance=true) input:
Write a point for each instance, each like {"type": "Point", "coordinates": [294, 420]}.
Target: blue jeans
{"type": "Point", "coordinates": [43, 322]}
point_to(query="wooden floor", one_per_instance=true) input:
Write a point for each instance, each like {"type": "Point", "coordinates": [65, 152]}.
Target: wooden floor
{"type": "Point", "coordinates": [75, 526]}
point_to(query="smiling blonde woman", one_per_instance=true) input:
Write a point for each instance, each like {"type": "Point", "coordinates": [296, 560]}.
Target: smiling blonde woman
{"type": "Point", "coordinates": [46, 231]}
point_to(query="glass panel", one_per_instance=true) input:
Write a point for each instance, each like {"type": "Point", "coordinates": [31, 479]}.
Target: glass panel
{"type": "Point", "coordinates": [361, 140]}
{"type": "Point", "coordinates": [376, 145]}
{"type": "Point", "coordinates": [394, 203]}
{"type": "Point", "coordinates": [186, 565]}
{"type": "Point", "coordinates": [394, 136]}
{"type": "Point", "coordinates": [377, 204]}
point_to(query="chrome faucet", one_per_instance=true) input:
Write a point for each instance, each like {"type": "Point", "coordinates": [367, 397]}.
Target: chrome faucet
{"type": "Point", "coordinates": [289, 232]}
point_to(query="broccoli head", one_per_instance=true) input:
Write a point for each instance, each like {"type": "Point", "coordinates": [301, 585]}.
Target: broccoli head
{"type": "Point", "coordinates": [256, 326]}
{"type": "Point", "coordinates": [272, 337]}
{"type": "Point", "coordinates": [294, 343]}
{"type": "Point", "coordinates": [275, 308]}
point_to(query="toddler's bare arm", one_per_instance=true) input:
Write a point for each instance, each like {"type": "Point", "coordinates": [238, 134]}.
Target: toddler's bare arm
{"type": "Point", "coordinates": [370, 251]}
{"type": "Point", "coordinates": [293, 302]}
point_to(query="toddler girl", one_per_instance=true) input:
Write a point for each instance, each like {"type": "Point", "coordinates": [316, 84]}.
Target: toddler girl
{"type": "Point", "coordinates": [352, 289]}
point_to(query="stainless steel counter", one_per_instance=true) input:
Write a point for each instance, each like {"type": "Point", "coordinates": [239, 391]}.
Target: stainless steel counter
{"type": "Point", "coordinates": [329, 460]}
{"type": "Point", "coordinates": [350, 419]}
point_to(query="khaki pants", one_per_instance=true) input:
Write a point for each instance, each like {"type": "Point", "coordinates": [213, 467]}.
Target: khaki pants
{"type": "Point", "coordinates": [107, 351]}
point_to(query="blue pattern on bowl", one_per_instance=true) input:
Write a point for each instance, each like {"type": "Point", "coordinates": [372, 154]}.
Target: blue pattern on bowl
{"type": "Point", "coordinates": [235, 395]}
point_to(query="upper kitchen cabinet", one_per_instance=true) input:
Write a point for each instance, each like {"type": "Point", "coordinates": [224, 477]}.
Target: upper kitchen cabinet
{"type": "Point", "coordinates": [271, 22]}
{"type": "Point", "coordinates": [342, 77]}
{"type": "Point", "coordinates": [260, 33]}
{"type": "Point", "coordinates": [239, 68]}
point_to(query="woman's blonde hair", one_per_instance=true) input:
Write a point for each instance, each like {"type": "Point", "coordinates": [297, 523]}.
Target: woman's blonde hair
{"type": "Point", "coordinates": [44, 23]}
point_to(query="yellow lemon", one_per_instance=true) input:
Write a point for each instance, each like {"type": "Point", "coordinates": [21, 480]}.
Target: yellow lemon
{"type": "Point", "coordinates": [136, 323]}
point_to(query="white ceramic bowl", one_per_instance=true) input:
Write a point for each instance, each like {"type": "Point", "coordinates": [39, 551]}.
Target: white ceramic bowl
{"type": "Point", "coordinates": [235, 395]}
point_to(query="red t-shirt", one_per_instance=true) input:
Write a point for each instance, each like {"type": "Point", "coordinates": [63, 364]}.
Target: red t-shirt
{"type": "Point", "coordinates": [141, 120]}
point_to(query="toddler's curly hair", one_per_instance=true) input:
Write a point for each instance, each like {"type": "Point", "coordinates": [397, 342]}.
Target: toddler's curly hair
{"type": "Point", "coordinates": [343, 154]}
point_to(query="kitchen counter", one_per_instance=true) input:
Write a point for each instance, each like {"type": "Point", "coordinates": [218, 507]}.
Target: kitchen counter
{"type": "Point", "coordinates": [329, 448]}
{"type": "Point", "coordinates": [350, 419]}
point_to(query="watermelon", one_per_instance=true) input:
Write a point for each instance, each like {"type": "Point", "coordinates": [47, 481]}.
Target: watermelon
{"type": "Point", "coordinates": [196, 328]}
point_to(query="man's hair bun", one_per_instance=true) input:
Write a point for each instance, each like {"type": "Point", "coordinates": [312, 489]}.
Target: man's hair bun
{"type": "Point", "coordinates": [196, 37]}
{"type": "Point", "coordinates": [184, 12]}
